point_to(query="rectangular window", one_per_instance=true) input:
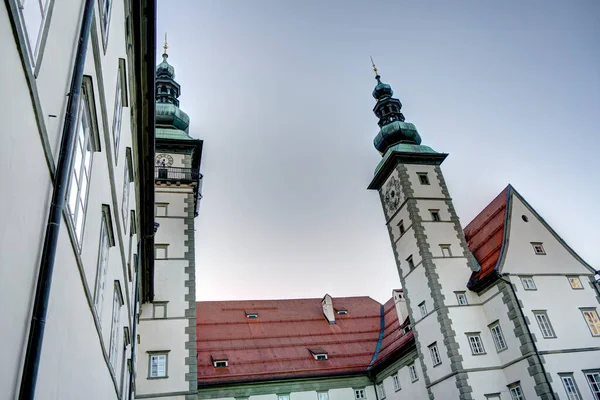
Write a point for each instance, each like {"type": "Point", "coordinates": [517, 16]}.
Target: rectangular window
{"type": "Point", "coordinates": [538, 248]}
{"type": "Point", "coordinates": [435, 215]}
{"type": "Point", "coordinates": [446, 250]}
{"type": "Point", "coordinates": [159, 310]}
{"type": "Point", "coordinates": [412, 370]}
{"type": "Point", "coordinates": [33, 15]}
{"type": "Point", "coordinates": [158, 365]}
{"type": "Point", "coordinates": [411, 263]}
{"type": "Point", "coordinates": [461, 298]}
{"type": "Point", "coordinates": [435, 354]}
{"type": "Point", "coordinates": [593, 379]}
{"type": "Point", "coordinates": [396, 381]}
{"type": "Point", "coordinates": [528, 283]}
{"type": "Point", "coordinates": [544, 323]}
{"type": "Point", "coordinates": [160, 251]}
{"type": "Point", "coordinates": [81, 164]}
{"type": "Point", "coordinates": [498, 337]}
{"type": "Point", "coordinates": [115, 328]}
{"type": "Point", "coordinates": [401, 227]}
{"type": "Point", "coordinates": [322, 395]}
{"type": "Point", "coordinates": [360, 394]}
{"type": "Point", "coordinates": [105, 244]}
{"type": "Point", "coordinates": [118, 111]}
{"type": "Point", "coordinates": [423, 309]}
{"type": "Point", "coordinates": [105, 6]}
{"type": "Point", "coordinates": [475, 343]}
{"type": "Point", "coordinates": [423, 178]}
{"type": "Point", "coordinates": [575, 282]}
{"type": "Point", "coordinates": [127, 178]}
{"type": "Point", "coordinates": [570, 387]}
{"type": "Point", "coordinates": [591, 318]}
{"type": "Point", "coordinates": [381, 391]}
{"type": "Point", "coordinates": [515, 392]}
{"type": "Point", "coordinates": [161, 209]}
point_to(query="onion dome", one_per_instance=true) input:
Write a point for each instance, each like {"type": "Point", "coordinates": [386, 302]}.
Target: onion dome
{"type": "Point", "coordinates": [164, 69]}
{"type": "Point", "coordinates": [382, 90]}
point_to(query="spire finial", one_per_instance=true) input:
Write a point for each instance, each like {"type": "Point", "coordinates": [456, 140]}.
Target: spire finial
{"type": "Point", "coordinates": [374, 67]}
{"type": "Point", "coordinates": [165, 47]}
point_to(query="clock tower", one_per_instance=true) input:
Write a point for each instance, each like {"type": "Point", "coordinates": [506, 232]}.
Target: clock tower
{"type": "Point", "coordinates": [166, 360]}
{"type": "Point", "coordinates": [432, 256]}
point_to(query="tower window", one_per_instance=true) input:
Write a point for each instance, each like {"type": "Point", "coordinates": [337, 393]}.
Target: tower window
{"type": "Point", "coordinates": [435, 215]}
{"type": "Point", "coordinates": [461, 298]}
{"type": "Point", "coordinates": [411, 263]}
{"type": "Point", "coordinates": [159, 309]}
{"type": "Point", "coordinates": [412, 369]}
{"type": "Point", "coordinates": [161, 209]}
{"type": "Point", "coordinates": [160, 251]}
{"type": "Point", "coordinates": [445, 250]}
{"type": "Point", "coordinates": [360, 394]}
{"type": "Point", "coordinates": [401, 227]}
{"type": "Point", "coordinates": [538, 248]}
{"type": "Point", "coordinates": [423, 178]}
{"type": "Point", "coordinates": [435, 354]}
{"type": "Point", "coordinates": [423, 309]}
{"type": "Point", "coordinates": [475, 343]}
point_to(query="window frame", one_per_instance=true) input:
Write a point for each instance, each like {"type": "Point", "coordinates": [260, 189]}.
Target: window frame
{"type": "Point", "coordinates": [528, 278]}
{"type": "Point", "coordinates": [105, 17]}
{"type": "Point", "coordinates": [594, 312]}
{"type": "Point", "coordinates": [464, 296]}
{"type": "Point", "coordinates": [380, 391]}
{"type": "Point", "coordinates": [322, 395]}
{"type": "Point", "coordinates": [401, 227]}
{"type": "Point", "coordinates": [156, 305]}
{"type": "Point", "coordinates": [435, 215]}
{"type": "Point", "coordinates": [473, 345]}
{"type": "Point", "coordinates": [595, 373]}
{"type": "Point", "coordinates": [573, 278]}
{"type": "Point", "coordinates": [360, 393]}
{"type": "Point", "coordinates": [34, 46]}
{"type": "Point", "coordinates": [569, 376]}
{"type": "Point", "coordinates": [396, 382]}
{"type": "Point", "coordinates": [90, 145]}
{"type": "Point", "coordinates": [447, 248]}
{"type": "Point", "coordinates": [538, 252]}
{"type": "Point", "coordinates": [544, 313]}
{"type": "Point", "coordinates": [423, 178]}
{"type": "Point", "coordinates": [412, 371]}
{"type": "Point", "coordinates": [161, 205]}
{"type": "Point", "coordinates": [423, 309]}
{"type": "Point", "coordinates": [127, 180]}
{"type": "Point", "coordinates": [161, 246]}
{"type": "Point", "coordinates": [498, 336]}
{"type": "Point", "coordinates": [513, 388]}
{"type": "Point", "coordinates": [159, 353]}
{"type": "Point", "coordinates": [106, 241]}
{"type": "Point", "coordinates": [434, 352]}
{"type": "Point", "coordinates": [113, 352]}
{"type": "Point", "coordinates": [411, 262]}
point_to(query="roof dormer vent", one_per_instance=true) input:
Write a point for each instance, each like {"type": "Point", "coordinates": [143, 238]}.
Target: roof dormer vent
{"type": "Point", "coordinates": [219, 360]}
{"type": "Point", "coordinates": [318, 353]}
{"type": "Point", "coordinates": [251, 314]}
{"type": "Point", "coordinates": [341, 311]}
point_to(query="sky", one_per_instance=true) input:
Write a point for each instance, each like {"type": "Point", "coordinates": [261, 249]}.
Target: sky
{"type": "Point", "coordinates": [280, 92]}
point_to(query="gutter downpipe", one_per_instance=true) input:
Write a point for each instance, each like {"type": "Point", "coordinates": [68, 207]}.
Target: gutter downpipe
{"type": "Point", "coordinates": [59, 192]}
{"type": "Point", "coordinates": [537, 353]}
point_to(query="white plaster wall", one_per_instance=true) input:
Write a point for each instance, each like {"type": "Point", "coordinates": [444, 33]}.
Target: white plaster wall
{"type": "Point", "coordinates": [171, 232]}
{"type": "Point", "coordinates": [169, 278]}
{"type": "Point", "coordinates": [21, 233]}
{"type": "Point", "coordinates": [429, 331]}
{"type": "Point", "coordinates": [446, 389]}
{"type": "Point", "coordinates": [407, 245]}
{"type": "Point", "coordinates": [571, 363]}
{"type": "Point", "coordinates": [442, 233]}
{"type": "Point", "coordinates": [426, 205]}
{"type": "Point", "coordinates": [496, 310]}
{"type": "Point", "coordinates": [408, 389]}
{"type": "Point", "coordinates": [418, 290]}
{"type": "Point", "coordinates": [431, 190]}
{"type": "Point", "coordinates": [401, 215]}
{"type": "Point", "coordinates": [453, 276]}
{"type": "Point", "coordinates": [486, 382]}
{"type": "Point", "coordinates": [518, 372]}
{"type": "Point", "coordinates": [156, 335]}
{"type": "Point", "coordinates": [172, 196]}
{"type": "Point", "coordinates": [520, 257]}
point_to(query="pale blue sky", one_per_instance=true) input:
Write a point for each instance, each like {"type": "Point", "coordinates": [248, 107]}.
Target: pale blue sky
{"type": "Point", "coordinates": [280, 92]}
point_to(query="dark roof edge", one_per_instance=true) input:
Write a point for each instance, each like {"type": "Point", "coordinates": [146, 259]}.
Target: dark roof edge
{"type": "Point", "coordinates": [225, 383]}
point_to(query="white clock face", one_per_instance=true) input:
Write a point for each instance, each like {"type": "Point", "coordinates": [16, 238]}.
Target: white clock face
{"type": "Point", "coordinates": [392, 195]}
{"type": "Point", "coordinates": [164, 160]}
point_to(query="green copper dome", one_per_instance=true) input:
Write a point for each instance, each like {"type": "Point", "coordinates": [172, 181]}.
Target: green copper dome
{"type": "Point", "coordinates": [164, 69]}
{"type": "Point", "coordinates": [382, 90]}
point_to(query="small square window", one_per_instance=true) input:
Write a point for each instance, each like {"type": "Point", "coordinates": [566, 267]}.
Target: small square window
{"type": "Point", "coordinates": [461, 298]}
{"type": "Point", "coordinates": [360, 394]}
{"type": "Point", "coordinates": [411, 263]}
{"type": "Point", "coordinates": [435, 354]}
{"type": "Point", "coordinates": [401, 227]}
{"type": "Point", "coordinates": [475, 343]}
{"type": "Point", "coordinates": [396, 381]}
{"type": "Point", "coordinates": [528, 283]}
{"type": "Point", "coordinates": [575, 282]}
{"type": "Point", "coordinates": [592, 320]}
{"type": "Point", "coordinates": [538, 248]}
{"type": "Point", "coordinates": [423, 309]}
{"type": "Point", "coordinates": [159, 310]}
{"type": "Point", "coordinates": [412, 369]}
{"type": "Point", "coordinates": [435, 215]}
{"type": "Point", "coordinates": [423, 178]}
{"type": "Point", "coordinates": [160, 251]}
{"type": "Point", "coordinates": [161, 209]}
{"type": "Point", "coordinates": [544, 323]}
{"type": "Point", "coordinates": [446, 250]}
{"type": "Point", "coordinates": [158, 365]}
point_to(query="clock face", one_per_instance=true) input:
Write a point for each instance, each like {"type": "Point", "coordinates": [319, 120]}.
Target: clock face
{"type": "Point", "coordinates": [164, 160]}
{"type": "Point", "coordinates": [391, 196]}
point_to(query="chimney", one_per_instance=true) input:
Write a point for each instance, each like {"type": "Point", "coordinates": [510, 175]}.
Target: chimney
{"type": "Point", "coordinates": [400, 302]}
{"type": "Point", "coordinates": [328, 310]}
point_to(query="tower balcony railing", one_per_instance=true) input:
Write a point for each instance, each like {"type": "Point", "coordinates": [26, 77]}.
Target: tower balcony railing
{"type": "Point", "coordinates": [176, 174]}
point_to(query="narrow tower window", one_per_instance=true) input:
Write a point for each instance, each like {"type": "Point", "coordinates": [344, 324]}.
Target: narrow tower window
{"type": "Point", "coordinates": [423, 309]}
{"type": "Point", "coordinates": [461, 298]}
{"type": "Point", "coordinates": [423, 178]}
{"type": "Point", "coordinates": [411, 263]}
{"type": "Point", "coordinates": [401, 227]}
{"type": "Point", "coordinates": [435, 215]}
{"type": "Point", "coordinates": [445, 250]}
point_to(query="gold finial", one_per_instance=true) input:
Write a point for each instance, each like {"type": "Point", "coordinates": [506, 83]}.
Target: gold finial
{"type": "Point", "coordinates": [374, 67]}
{"type": "Point", "coordinates": [165, 45]}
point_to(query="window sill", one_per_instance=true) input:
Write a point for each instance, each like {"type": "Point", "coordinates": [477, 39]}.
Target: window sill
{"type": "Point", "coordinates": [158, 377]}
{"type": "Point", "coordinates": [437, 365]}
{"type": "Point", "coordinates": [478, 354]}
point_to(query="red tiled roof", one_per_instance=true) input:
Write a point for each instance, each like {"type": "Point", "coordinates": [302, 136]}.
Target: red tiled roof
{"type": "Point", "coordinates": [393, 337]}
{"type": "Point", "coordinates": [485, 235]}
{"type": "Point", "coordinates": [277, 343]}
